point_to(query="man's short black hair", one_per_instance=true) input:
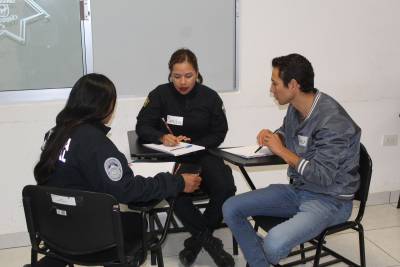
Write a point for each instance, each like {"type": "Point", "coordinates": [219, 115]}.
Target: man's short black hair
{"type": "Point", "coordinates": [295, 66]}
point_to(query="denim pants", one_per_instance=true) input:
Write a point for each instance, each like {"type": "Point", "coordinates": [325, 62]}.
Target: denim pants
{"type": "Point", "coordinates": [308, 215]}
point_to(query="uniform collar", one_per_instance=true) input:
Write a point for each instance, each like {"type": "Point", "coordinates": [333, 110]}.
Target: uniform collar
{"type": "Point", "coordinates": [102, 127]}
{"type": "Point", "coordinates": [191, 94]}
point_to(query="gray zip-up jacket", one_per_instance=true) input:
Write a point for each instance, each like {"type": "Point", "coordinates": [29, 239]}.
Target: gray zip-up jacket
{"type": "Point", "coordinates": [328, 143]}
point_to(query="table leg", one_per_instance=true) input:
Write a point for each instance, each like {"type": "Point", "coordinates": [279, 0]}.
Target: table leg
{"type": "Point", "coordinates": [247, 177]}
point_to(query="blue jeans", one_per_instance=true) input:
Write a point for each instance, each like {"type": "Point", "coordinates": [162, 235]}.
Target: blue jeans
{"type": "Point", "coordinates": [308, 215]}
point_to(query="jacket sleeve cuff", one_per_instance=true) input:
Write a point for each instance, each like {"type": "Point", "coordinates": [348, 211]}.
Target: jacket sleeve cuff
{"type": "Point", "coordinates": [180, 183]}
{"type": "Point", "coordinates": [302, 165]}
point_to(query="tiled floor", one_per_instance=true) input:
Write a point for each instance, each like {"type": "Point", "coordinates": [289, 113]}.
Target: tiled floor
{"type": "Point", "coordinates": [382, 240]}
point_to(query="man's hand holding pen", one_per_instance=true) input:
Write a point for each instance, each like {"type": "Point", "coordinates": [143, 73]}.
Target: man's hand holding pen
{"type": "Point", "coordinates": [275, 142]}
{"type": "Point", "coordinates": [271, 140]}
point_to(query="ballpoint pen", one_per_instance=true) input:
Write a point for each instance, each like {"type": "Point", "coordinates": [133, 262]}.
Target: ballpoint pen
{"type": "Point", "coordinates": [258, 149]}
{"type": "Point", "coordinates": [187, 146]}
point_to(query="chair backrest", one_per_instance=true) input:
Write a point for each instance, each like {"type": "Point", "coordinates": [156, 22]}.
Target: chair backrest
{"type": "Point", "coordinates": [73, 222]}
{"type": "Point", "coordinates": [365, 171]}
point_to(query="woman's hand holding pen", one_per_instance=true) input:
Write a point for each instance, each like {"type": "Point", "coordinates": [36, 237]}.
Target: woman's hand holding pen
{"type": "Point", "coordinates": [192, 182]}
{"type": "Point", "coordinates": [169, 140]}
{"type": "Point", "coordinates": [172, 140]}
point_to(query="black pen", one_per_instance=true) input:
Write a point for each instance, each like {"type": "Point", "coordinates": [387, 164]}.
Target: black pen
{"type": "Point", "coordinates": [258, 149]}
{"type": "Point", "coordinates": [187, 146]}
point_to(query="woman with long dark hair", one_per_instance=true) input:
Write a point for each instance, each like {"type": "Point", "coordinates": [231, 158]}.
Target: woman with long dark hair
{"type": "Point", "coordinates": [193, 113]}
{"type": "Point", "coordinates": [77, 154]}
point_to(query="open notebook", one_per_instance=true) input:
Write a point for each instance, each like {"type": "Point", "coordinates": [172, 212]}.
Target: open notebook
{"type": "Point", "coordinates": [248, 151]}
{"type": "Point", "coordinates": [181, 149]}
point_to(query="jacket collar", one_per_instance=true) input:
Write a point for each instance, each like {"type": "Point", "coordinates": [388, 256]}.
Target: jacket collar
{"type": "Point", "coordinates": [191, 94]}
{"type": "Point", "coordinates": [314, 104]}
{"type": "Point", "coordinates": [102, 127]}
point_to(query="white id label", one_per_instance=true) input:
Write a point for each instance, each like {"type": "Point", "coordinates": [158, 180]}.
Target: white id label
{"type": "Point", "coordinates": [70, 201]}
{"type": "Point", "coordinates": [303, 140]}
{"type": "Point", "coordinates": [175, 120]}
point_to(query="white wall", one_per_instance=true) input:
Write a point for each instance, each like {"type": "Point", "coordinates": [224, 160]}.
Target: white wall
{"type": "Point", "coordinates": [353, 46]}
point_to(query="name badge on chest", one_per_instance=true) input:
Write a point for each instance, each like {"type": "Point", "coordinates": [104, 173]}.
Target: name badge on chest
{"type": "Point", "coordinates": [175, 120]}
{"type": "Point", "coordinates": [303, 140]}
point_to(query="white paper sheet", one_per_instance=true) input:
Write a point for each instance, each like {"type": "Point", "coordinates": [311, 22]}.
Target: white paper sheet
{"type": "Point", "coordinates": [150, 169]}
{"type": "Point", "coordinates": [248, 151]}
{"type": "Point", "coordinates": [181, 149]}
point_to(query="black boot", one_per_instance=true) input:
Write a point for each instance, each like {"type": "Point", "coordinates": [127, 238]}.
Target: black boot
{"type": "Point", "coordinates": [215, 248]}
{"type": "Point", "coordinates": [192, 248]}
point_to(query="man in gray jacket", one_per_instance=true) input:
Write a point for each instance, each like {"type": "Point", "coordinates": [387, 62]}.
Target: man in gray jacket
{"type": "Point", "coordinates": [320, 143]}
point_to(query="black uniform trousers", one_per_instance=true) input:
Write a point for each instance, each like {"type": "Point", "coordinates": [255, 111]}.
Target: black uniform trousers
{"type": "Point", "coordinates": [132, 230]}
{"type": "Point", "coordinates": [217, 182]}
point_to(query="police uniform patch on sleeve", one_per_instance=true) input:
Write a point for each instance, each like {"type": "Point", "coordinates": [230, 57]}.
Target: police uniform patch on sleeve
{"type": "Point", "coordinates": [146, 102]}
{"type": "Point", "coordinates": [113, 168]}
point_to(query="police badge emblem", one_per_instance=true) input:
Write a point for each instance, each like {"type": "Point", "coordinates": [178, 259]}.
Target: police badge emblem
{"type": "Point", "coordinates": [113, 168]}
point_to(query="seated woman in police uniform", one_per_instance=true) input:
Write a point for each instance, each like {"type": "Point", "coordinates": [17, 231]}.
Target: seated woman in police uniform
{"type": "Point", "coordinates": [186, 110]}
{"type": "Point", "coordinates": [77, 154]}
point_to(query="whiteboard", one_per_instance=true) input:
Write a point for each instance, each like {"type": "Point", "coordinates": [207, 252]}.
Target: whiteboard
{"type": "Point", "coordinates": [133, 41]}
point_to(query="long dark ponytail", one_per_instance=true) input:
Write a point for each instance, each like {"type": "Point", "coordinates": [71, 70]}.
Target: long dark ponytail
{"type": "Point", "coordinates": [92, 99]}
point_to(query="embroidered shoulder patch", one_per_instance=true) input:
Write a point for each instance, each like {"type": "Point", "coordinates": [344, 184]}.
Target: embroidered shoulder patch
{"type": "Point", "coordinates": [113, 168]}
{"type": "Point", "coordinates": [146, 102]}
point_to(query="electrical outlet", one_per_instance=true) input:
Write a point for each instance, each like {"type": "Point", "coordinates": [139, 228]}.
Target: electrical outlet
{"type": "Point", "coordinates": [390, 140]}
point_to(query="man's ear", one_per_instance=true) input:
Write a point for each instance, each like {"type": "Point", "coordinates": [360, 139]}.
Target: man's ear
{"type": "Point", "coordinates": [293, 84]}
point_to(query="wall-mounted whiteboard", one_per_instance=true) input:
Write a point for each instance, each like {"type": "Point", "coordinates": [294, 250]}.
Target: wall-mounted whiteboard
{"type": "Point", "coordinates": [133, 41]}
